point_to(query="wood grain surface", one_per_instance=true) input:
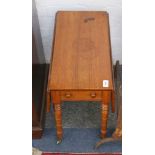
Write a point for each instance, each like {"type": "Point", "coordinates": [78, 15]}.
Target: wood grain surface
{"type": "Point", "coordinates": [81, 60]}
{"type": "Point", "coordinates": [81, 57]}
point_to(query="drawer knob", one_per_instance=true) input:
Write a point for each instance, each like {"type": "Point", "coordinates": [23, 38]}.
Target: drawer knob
{"type": "Point", "coordinates": [68, 95]}
{"type": "Point", "coordinates": [93, 95]}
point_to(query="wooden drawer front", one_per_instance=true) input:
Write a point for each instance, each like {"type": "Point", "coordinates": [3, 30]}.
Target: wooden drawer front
{"type": "Point", "coordinates": [81, 95]}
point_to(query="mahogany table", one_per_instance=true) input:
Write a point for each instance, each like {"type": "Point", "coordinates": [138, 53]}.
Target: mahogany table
{"type": "Point", "coordinates": [81, 63]}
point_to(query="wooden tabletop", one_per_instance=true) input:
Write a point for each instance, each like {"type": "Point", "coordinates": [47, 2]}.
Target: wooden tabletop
{"type": "Point", "coordinates": [81, 57]}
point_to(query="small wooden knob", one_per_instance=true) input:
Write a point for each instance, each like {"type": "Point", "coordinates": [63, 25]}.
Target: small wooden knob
{"type": "Point", "coordinates": [93, 95]}
{"type": "Point", "coordinates": [68, 95]}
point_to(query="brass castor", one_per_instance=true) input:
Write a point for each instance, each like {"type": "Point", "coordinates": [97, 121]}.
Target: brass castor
{"type": "Point", "coordinates": [59, 141]}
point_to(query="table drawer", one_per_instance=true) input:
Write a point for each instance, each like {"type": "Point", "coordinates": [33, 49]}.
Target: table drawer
{"type": "Point", "coordinates": [81, 95]}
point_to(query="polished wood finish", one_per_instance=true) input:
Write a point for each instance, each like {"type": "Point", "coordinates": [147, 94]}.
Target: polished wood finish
{"type": "Point", "coordinates": [58, 120]}
{"type": "Point", "coordinates": [81, 60]}
{"type": "Point", "coordinates": [117, 134]}
{"type": "Point", "coordinates": [81, 95]}
{"type": "Point", "coordinates": [104, 112]}
{"type": "Point", "coordinates": [80, 39]}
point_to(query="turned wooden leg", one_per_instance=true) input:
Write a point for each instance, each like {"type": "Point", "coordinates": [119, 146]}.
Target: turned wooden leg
{"type": "Point", "coordinates": [104, 115]}
{"type": "Point", "coordinates": [113, 101]}
{"type": "Point", "coordinates": [48, 102]}
{"type": "Point", "coordinates": [58, 120]}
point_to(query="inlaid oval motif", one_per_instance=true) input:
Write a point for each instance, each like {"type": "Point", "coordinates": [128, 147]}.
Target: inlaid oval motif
{"type": "Point", "coordinates": [84, 44]}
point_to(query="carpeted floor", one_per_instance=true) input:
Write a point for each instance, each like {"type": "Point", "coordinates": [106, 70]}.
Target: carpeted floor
{"type": "Point", "coordinates": [81, 123]}
{"type": "Point", "coordinates": [75, 140]}
{"type": "Point", "coordinates": [81, 153]}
